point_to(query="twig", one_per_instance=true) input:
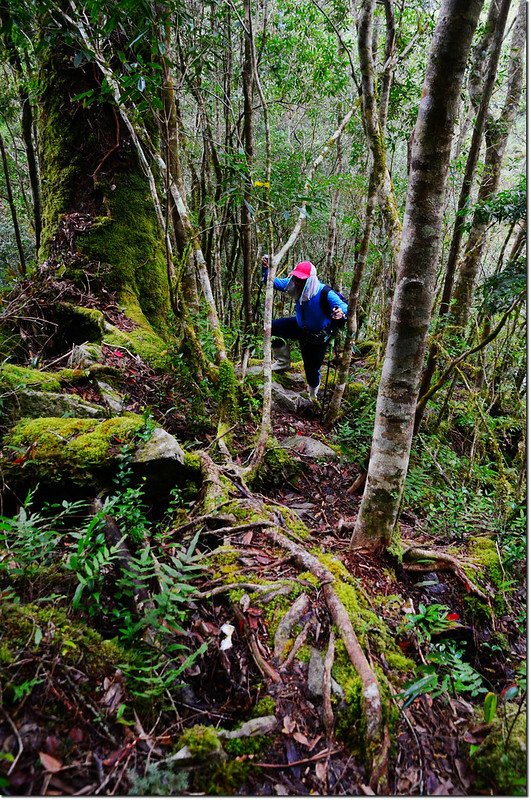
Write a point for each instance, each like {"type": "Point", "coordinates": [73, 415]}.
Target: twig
{"type": "Point", "coordinates": [19, 741]}
{"type": "Point", "coordinates": [297, 644]}
{"type": "Point", "coordinates": [253, 587]}
{"type": "Point", "coordinates": [310, 760]}
{"type": "Point", "coordinates": [121, 347]}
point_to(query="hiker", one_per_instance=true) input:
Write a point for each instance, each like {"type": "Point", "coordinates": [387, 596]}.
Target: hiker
{"type": "Point", "coordinates": [312, 324]}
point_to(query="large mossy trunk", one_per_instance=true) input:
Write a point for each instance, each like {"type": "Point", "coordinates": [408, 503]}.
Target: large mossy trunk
{"type": "Point", "coordinates": [97, 205]}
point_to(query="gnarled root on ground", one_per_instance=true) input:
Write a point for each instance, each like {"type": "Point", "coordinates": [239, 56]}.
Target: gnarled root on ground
{"type": "Point", "coordinates": [419, 559]}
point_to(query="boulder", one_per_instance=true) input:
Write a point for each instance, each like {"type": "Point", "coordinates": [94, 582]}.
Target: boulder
{"type": "Point", "coordinates": [287, 399]}
{"type": "Point", "coordinates": [306, 446]}
{"type": "Point", "coordinates": [33, 403]}
{"type": "Point", "coordinates": [85, 355]}
{"type": "Point", "coordinates": [50, 450]}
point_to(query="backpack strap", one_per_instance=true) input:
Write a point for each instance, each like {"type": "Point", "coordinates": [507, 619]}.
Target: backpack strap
{"type": "Point", "coordinates": [323, 300]}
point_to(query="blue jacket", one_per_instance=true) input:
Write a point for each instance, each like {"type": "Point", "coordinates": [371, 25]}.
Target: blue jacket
{"type": "Point", "coordinates": [310, 315]}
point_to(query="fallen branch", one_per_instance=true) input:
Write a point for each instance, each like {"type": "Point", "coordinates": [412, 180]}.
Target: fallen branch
{"type": "Point", "coordinates": [328, 714]}
{"type": "Point", "coordinates": [290, 618]}
{"type": "Point", "coordinates": [264, 666]}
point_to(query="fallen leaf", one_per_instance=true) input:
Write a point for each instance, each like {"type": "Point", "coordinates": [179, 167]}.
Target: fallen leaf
{"type": "Point", "coordinates": [50, 763]}
{"type": "Point", "coordinates": [289, 725]}
{"type": "Point", "coordinates": [301, 738]}
{"type": "Point", "coordinates": [76, 734]}
{"type": "Point", "coordinates": [321, 770]}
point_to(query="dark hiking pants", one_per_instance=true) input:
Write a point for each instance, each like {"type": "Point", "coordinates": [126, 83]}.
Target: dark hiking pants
{"type": "Point", "coordinates": [313, 345]}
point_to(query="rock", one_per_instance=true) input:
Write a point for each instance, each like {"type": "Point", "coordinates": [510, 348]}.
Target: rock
{"type": "Point", "coordinates": [33, 403]}
{"type": "Point", "coordinates": [307, 446]}
{"type": "Point", "coordinates": [287, 399]}
{"type": "Point", "coordinates": [47, 450]}
{"type": "Point", "coordinates": [162, 446]}
{"type": "Point", "coordinates": [112, 398]}
{"type": "Point", "coordinates": [259, 726]}
{"type": "Point", "coordinates": [85, 355]}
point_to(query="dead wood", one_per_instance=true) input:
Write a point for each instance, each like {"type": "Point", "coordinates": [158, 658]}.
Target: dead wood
{"type": "Point", "coordinates": [290, 618]}
{"type": "Point", "coordinates": [297, 644]}
{"type": "Point", "coordinates": [328, 714]}
{"type": "Point", "coordinates": [438, 560]}
{"type": "Point", "coordinates": [263, 665]}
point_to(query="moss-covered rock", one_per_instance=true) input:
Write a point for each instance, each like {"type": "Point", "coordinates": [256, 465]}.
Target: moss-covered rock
{"type": "Point", "coordinates": [500, 762]}
{"type": "Point", "coordinates": [52, 448]}
{"type": "Point", "coordinates": [40, 631]}
{"type": "Point", "coordinates": [29, 403]}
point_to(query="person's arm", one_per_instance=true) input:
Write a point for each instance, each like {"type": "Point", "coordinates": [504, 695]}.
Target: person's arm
{"type": "Point", "coordinates": [335, 303]}
{"type": "Point", "coordinates": [281, 284]}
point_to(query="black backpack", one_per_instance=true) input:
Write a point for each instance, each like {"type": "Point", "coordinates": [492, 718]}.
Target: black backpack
{"type": "Point", "coordinates": [337, 324]}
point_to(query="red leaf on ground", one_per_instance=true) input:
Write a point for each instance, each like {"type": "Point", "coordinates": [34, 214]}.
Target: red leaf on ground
{"type": "Point", "coordinates": [76, 734]}
{"type": "Point", "coordinates": [453, 617]}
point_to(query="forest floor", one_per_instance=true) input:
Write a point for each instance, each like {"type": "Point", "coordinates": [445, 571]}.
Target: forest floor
{"type": "Point", "coordinates": [433, 736]}
{"type": "Point", "coordinates": [80, 753]}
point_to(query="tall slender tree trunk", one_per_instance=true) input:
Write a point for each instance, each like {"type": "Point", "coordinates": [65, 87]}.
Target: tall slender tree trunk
{"type": "Point", "coordinates": [413, 298]}
{"type": "Point", "coordinates": [372, 117]}
{"type": "Point", "coordinates": [248, 146]}
{"type": "Point", "coordinates": [496, 135]}
{"type": "Point", "coordinates": [498, 12]}
{"type": "Point", "coordinates": [12, 207]}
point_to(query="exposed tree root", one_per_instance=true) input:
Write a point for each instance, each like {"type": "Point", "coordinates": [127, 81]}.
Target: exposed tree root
{"type": "Point", "coordinates": [217, 485]}
{"type": "Point", "coordinates": [372, 704]}
{"type": "Point", "coordinates": [438, 560]}
{"type": "Point", "coordinates": [328, 714]}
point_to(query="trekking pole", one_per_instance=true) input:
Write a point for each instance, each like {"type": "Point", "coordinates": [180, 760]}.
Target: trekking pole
{"type": "Point", "coordinates": [323, 404]}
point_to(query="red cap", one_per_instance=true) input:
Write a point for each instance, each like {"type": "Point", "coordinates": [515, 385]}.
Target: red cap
{"type": "Point", "coordinates": [302, 270]}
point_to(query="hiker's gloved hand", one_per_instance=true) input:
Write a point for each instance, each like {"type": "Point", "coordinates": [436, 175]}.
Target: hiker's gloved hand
{"type": "Point", "coordinates": [337, 313]}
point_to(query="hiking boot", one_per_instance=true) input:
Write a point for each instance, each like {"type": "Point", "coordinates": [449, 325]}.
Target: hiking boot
{"type": "Point", "coordinates": [282, 355]}
{"type": "Point", "coordinates": [312, 391]}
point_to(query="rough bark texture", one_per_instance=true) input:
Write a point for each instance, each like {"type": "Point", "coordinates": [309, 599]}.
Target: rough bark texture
{"type": "Point", "coordinates": [413, 297]}
{"type": "Point", "coordinates": [89, 168]}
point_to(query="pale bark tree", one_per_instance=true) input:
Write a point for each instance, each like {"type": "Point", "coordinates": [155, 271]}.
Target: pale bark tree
{"type": "Point", "coordinates": [497, 133]}
{"type": "Point", "coordinates": [413, 298]}
{"type": "Point", "coordinates": [490, 48]}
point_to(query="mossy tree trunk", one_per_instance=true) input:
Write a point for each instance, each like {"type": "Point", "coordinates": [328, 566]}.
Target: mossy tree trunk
{"type": "Point", "coordinates": [413, 300]}
{"type": "Point", "coordinates": [96, 202]}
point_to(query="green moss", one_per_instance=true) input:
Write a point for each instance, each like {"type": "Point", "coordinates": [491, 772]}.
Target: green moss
{"type": "Point", "coordinates": [201, 740]}
{"type": "Point", "coordinates": [500, 765]}
{"type": "Point", "coordinates": [484, 553]}
{"type": "Point", "coordinates": [277, 467]}
{"type": "Point", "coordinates": [142, 340]}
{"type": "Point", "coordinates": [246, 746]}
{"type": "Point", "coordinates": [129, 239]}
{"type": "Point", "coordinates": [476, 609]}
{"type": "Point", "coordinates": [73, 447]}
{"type": "Point", "coordinates": [13, 377]}
{"type": "Point", "coordinates": [72, 643]}
{"type": "Point", "coordinates": [265, 707]}
{"type": "Point", "coordinates": [227, 392]}
{"type": "Point", "coordinates": [192, 461]}
{"type": "Point", "coordinates": [6, 656]}
{"type": "Point", "coordinates": [224, 779]}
